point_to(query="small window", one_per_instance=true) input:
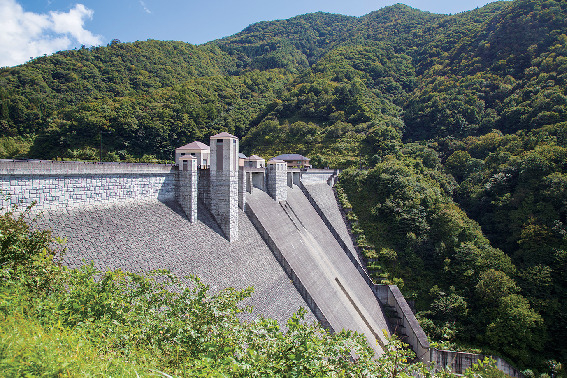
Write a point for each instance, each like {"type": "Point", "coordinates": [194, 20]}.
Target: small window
{"type": "Point", "coordinates": [183, 154]}
{"type": "Point", "coordinates": [219, 141]}
{"type": "Point", "coordinates": [192, 154]}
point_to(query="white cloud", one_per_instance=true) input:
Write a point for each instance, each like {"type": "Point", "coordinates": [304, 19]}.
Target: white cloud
{"type": "Point", "coordinates": [143, 4]}
{"type": "Point", "coordinates": [26, 34]}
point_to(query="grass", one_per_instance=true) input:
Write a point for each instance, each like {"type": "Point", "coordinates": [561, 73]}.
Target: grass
{"type": "Point", "coordinates": [28, 349]}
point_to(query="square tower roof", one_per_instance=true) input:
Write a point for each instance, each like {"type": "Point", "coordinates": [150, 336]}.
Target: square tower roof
{"type": "Point", "coordinates": [195, 146]}
{"type": "Point", "coordinates": [223, 135]}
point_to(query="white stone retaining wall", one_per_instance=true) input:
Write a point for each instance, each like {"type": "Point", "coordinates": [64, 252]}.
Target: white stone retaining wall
{"type": "Point", "coordinates": [70, 184]}
{"type": "Point", "coordinates": [312, 176]}
{"type": "Point", "coordinates": [416, 338]}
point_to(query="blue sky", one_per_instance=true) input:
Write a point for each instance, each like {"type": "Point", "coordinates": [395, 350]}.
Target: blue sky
{"type": "Point", "coordinates": [31, 28]}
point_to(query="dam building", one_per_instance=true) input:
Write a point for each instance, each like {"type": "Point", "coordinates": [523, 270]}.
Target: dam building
{"type": "Point", "coordinates": [233, 223]}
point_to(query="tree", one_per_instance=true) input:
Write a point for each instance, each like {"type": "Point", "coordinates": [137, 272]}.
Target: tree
{"type": "Point", "coordinates": [516, 329]}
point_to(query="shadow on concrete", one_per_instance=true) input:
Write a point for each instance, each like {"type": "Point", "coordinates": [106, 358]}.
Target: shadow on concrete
{"type": "Point", "coordinates": [203, 214]}
{"type": "Point", "coordinates": [174, 206]}
{"type": "Point", "coordinates": [206, 217]}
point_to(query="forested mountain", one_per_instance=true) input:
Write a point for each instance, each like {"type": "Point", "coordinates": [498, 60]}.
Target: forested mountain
{"type": "Point", "coordinates": [452, 130]}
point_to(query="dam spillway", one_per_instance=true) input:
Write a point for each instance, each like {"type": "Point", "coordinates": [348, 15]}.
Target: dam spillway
{"type": "Point", "coordinates": [342, 296]}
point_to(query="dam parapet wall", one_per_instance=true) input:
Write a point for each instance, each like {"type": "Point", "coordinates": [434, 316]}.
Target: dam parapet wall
{"type": "Point", "coordinates": [54, 184]}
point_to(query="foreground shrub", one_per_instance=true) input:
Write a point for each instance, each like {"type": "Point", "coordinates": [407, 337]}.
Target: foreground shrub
{"type": "Point", "coordinates": [56, 321]}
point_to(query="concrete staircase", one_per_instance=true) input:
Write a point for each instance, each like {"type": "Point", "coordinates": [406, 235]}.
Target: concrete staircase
{"type": "Point", "coordinates": [396, 322]}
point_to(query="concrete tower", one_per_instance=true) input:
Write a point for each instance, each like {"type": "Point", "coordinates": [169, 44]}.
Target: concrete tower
{"type": "Point", "coordinates": [277, 179]}
{"type": "Point", "coordinates": [186, 192]}
{"type": "Point", "coordinates": [224, 183]}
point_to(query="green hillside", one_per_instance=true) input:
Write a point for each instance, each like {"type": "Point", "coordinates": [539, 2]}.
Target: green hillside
{"type": "Point", "coordinates": [452, 130]}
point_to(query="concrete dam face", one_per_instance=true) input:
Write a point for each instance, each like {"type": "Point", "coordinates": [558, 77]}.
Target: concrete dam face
{"type": "Point", "coordinates": [343, 299]}
{"type": "Point", "coordinates": [279, 230]}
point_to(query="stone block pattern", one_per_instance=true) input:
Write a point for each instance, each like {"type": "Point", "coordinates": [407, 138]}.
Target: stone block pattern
{"type": "Point", "coordinates": [316, 176]}
{"type": "Point", "coordinates": [242, 184]}
{"type": "Point", "coordinates": [224, 201]}
{"type": "Point", "coordinates": [203, 186]}
{"type": "Point", "coordinates": [71, 190]}
{"type": "Point", "coordinates": [277, 184]}
{"type": "Point", "coordinates": [138, 236]}
{"type": "Point", "coordinates": [64, 168]}
{"type": "Point", "coordinates": [187, 193]}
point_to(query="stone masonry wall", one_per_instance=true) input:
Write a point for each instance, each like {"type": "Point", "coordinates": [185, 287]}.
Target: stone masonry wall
{"type": "Point", "coordinates": [242, 189]}
{"type": "Point", "coordinates": [277, 183]}
{"type": "Point", "coordinates": [71, 184]}
{"type": "Point", "coordinates": [203, 186]}
{"type": "Point", "coordinates": [224, 201]}
{"type": "Point", "coordinates": [187, 193]}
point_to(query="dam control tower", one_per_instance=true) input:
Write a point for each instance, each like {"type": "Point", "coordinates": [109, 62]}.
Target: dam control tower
{"type": "Point", "coordinates": [224, 183]}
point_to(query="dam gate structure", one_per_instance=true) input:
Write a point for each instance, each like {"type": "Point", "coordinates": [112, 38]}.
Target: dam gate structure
{"type": "Point", "coordinates": [275, 228]}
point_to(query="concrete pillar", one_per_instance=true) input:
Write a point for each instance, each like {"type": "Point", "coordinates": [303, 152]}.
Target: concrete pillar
{"type": "Point", "coordinates": [224, 183]}
{"type": "Point", "coordinates": [248, 181]}
{"type": "Point", "coordinates": [296, 178]}
{"type": "Point", "coordinates": [187, 187]}
{"type": "Point", "coordinates": [277, 180]}
{"type": "Point", "coordinates": [242, 188]}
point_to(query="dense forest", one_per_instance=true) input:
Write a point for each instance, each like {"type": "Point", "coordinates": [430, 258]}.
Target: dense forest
{"type": "Point", "coordinates": [451, 130]}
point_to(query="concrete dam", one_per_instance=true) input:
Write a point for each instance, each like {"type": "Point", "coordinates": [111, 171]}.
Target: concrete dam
{"type": "Point", "coordinates": [279, 230]}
